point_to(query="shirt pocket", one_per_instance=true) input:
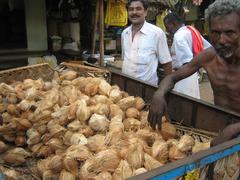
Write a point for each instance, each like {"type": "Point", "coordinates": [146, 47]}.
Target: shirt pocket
{"type": "Point", "coordinates": [146, 55]}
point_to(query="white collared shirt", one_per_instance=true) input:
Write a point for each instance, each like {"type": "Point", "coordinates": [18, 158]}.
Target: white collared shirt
{"type": "Point", "coordinates": [142, 54]}
{"type": "Point", "coordinates": [182, 52]}
{"type": "Point", "coordinates": [182, 47]}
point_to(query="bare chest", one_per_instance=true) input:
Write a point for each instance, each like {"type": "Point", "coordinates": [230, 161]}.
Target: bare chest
{"type": "Point", "coordinates": [228, 78]}
{"type": "Point", "coordinates": [225, 82]}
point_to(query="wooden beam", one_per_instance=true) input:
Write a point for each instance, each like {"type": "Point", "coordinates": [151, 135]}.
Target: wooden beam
{"type": "Point", "coordinates": [96, 20]}
{"type": "Point", "coordinates": [101, 28]}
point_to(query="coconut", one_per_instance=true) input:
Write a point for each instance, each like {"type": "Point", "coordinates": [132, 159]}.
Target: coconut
{"type": "Point", "coordinates": [131, 124]}
{"type": "Point", "coordinates": [83, 112]}
{"type": "Point", "coordinates": [96, 143]}
{"type": "Point", "coordinates": [23, 124]}
{"type": "Point", "coordinates": [91, 89]}
{"type": "Point", "coordinates": [116, 110]}
{"type": "Point", "coordinates": [55, 163]}
{"type": "Point", "coordinates": [68, 75]}
{"type": "Point", "coordinates": [186, 143]}
{"type": "Point", "coordinates": [78, 152]}
{"type": "Point", "coordinates": [25, 105]}
{"type": "Point", "coordinates": [55, 144]}
{"type": "Point", "coordinates": [33, 136]}
{"type": "Point", "coordinates": [20, 141]}
{"type": "Point", "coordinates": [12, 98]}
{"type": "Point", "coordinates": [139, 171]}
{"type": "Point", "coordinates": [126, 103]}
{"type": "Point", "coordinates": [88, 171]}
{"type": "Point", "coordinates": [104, 87]}
{"type": "Point", "coordinates": [151, 163]}
{"type": "Point", "coordinates": [116, 130]}
{"type": "Point", "coordinates": [3, 147]}
{"type": "Point", "coordinates": [107, 160]}
{"type": "Point", "coordinates": [78, 138]}
{"type": "Point", "coordinates": [104, 175]}
{"type": "Point", "coordinates": [132, 113]}
{"type": "Point", "coordinates": [172, 142]}
{"type": "Point", "coordinates": [9, 173]}
{"type": "Point", "coordinates": [74, 125]}
{"type": "Point", "coordinates": [135, 155]}
{"type": "Point", "coordinates": [148, 135]}
{"type": "Point", "coordinates": [200, 146]}
{"type": "Point", "coordinates": [115, 94]}
{"type": "Point", "coordinates": [139, 103]}
{"type": "Point", "coordinates": [50, 175]}
{"type": "Point", "coordinates": [101, 109]}
{"type": "Point", "coordinates": [16, 156]}
{"type": "Point", "coordinates": [160, 151]}
{"type": "Point", "coordinates": [31, 94]}
{"type": "Point", "coordinates": [3, 107]}
{"type": "Point", "coordinates": [168, 131]}
{"type": "Point", "coordinates": [176, 154]}
{"type": "Point", "coordinates": [67, 175]}
{"type": "Point", "coordinates": [12, 109]}
{"type": "Point", "coordinates": [123, 171]}
{"type": "Point", "coordinates": [70, 164]}
{"type": "Point", "coordinates": [99, 123]}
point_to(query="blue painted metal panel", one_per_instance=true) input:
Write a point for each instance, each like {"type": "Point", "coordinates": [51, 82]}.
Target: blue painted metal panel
{"type": "Point", "coordinates": [203, 162]}
{"type": "Point", "coordinates": [2, 176]}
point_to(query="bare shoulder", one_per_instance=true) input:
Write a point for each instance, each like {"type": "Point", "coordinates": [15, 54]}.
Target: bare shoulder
{"type": "Point", "coordinates": [206, 56]}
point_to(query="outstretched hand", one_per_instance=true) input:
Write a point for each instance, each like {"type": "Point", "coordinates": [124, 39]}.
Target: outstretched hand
{"type": "Point", "coordinates": [157, 109]}
{"type": "Point", "coordinates": [227, 134]}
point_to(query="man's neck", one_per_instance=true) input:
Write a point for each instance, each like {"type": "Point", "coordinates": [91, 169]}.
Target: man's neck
{"type": "Point", "coordinates": [137, 27]}
{"type": "Point", "coordinates": [178, 27]}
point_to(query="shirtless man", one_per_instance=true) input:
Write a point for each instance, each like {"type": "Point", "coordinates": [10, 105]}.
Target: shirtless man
{"type": "Point", "coordinates": [221, 62]}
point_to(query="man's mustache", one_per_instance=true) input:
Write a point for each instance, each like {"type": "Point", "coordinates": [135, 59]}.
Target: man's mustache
{"type": "Point", "coordinates": [221, 47]}
{"type": "Point", "coordinates": [134, 16]}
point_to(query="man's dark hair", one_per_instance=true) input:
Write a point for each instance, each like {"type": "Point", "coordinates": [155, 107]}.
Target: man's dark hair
{"type": "Point", "coordinates": [173, 18]}
{"type": "Point", "coordinates": [144, 2]}
{"type": "Point", "coordinates": [222, 8]}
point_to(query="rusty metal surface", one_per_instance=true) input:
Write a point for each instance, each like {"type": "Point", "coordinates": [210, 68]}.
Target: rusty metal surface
{"type": "Point", "coordinates": [189, 111]}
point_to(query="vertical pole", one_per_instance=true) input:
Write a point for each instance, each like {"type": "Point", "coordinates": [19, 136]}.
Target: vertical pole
{"type": "Point", "coordinates": [95, 28]}
{"type": "Point", "coordinates": [101, 10]}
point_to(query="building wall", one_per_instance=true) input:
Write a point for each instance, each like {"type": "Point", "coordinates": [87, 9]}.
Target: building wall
{"type": "Point", "coordinates": [36, 25]}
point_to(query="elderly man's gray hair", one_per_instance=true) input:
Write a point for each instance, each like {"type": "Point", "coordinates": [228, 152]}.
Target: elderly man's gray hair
{"type": "Point", "coordinates": [222, 7]}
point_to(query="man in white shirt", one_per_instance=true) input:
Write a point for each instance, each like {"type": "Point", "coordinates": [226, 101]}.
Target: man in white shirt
{"type": "Point", "coordinates": [143, 45]}
{"type": "Point", "coordinates": [182, 51]}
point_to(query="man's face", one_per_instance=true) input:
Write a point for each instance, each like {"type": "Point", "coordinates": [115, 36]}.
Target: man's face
{"type": "Point", "coordinates": [225, 34]}
{"type": "Point", "coordinates": [136, 13]}
{"type": "Point", "coordinates": [170, 27]}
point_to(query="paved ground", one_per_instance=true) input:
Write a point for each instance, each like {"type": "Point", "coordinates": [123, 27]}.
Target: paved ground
{"type": "Point", "coordinates": [206, 93]}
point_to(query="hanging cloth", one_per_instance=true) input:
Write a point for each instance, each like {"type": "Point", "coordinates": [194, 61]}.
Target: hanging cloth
{"type": "Point", "coordinates": [197, 40]}
{"type": "Point", "coordinates": [116, 13]}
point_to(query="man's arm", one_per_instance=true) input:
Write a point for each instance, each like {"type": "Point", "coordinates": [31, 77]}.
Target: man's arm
{"type": "Point", "coordinates": [163, 53]}
{"type": "Point", "coordinates": [228, 133]}
{"type": "Point", "coordinates": [158, 104]}
{"type": "Point", "coordinates": [167, 67]}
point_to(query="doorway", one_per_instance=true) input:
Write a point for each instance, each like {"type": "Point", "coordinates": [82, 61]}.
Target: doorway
{"type": "Point", "coordinates": [13, 25]}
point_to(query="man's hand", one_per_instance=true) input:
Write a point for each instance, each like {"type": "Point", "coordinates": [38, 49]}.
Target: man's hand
{"type": "Point", "coordinates": [157, 109]}
{"type": "Point", "coordinates": [227, 134]}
